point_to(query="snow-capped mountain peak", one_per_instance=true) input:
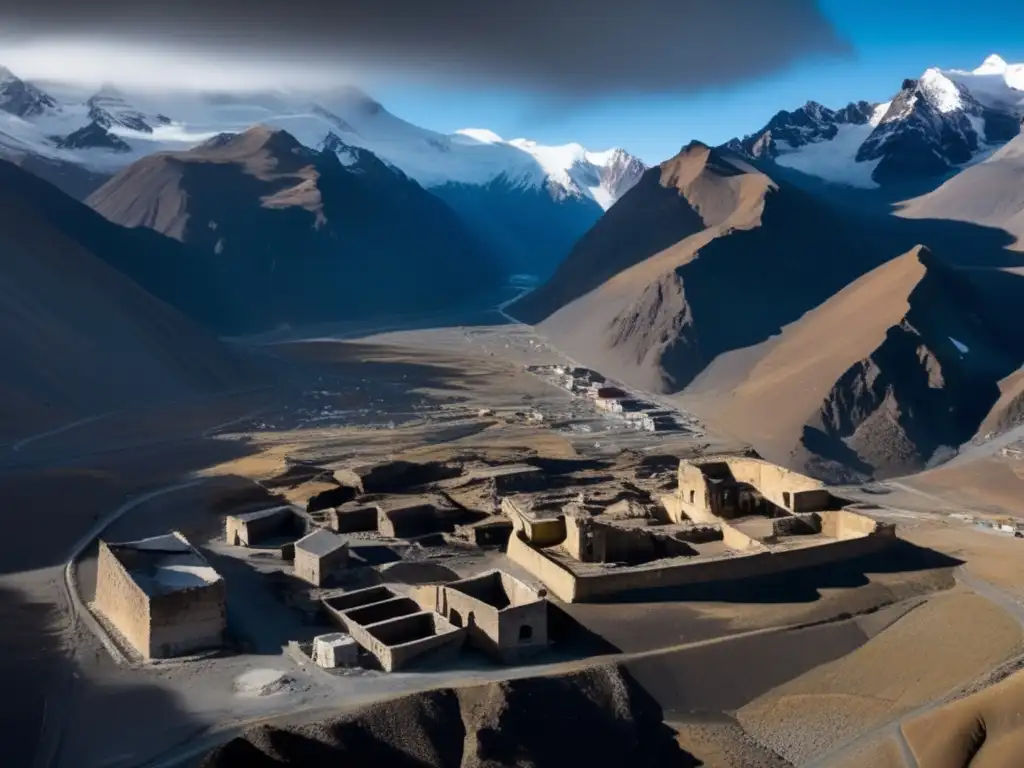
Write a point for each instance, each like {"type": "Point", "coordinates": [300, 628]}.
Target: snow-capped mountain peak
{"type": "Point", "coordinates": [943, 94]}
{"type": "Point", "coordinates": [109, 108]}
{"type": "Point", "coordinates": [993, 65]}
{"type": "Point", "coordinates": [23, 99]}
{"type": "Point", "coordinates": [109, 127]}
{"type": "Point", "coordinates": [935, 124]}
{"type": "Point", "coordinates": [995, 84]}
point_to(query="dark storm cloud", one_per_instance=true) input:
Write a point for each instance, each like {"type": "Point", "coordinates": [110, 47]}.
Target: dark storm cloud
{"type": "Point", "coordinates": [560, 46]}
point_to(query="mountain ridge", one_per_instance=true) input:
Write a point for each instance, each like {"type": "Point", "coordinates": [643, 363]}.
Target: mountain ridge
{"type": "Point", "coordinates": [934, 125]}
{"type": "Point", "coordinates": [291, 234]}
{"type": "Point", "coordinates": [563, 189]}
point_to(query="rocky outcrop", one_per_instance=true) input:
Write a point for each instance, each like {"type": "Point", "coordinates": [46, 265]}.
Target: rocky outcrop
{"type": "Point", "coordinates": [926, 130]}
{"type": "Point", "coordinates": [108, 108]}
{"type": "Point", "coordinates": [897, 368]}
{"type": "Point", "coordinates": [598, 718]}
{"type": "Point", "coordinates": [23, 99]}
{"type": "Point", "coordinates": [930, 382]}
{"type": "Point", "coordinates": [809, 124]}
{"type": "Point", "coordinates": [93, 136]}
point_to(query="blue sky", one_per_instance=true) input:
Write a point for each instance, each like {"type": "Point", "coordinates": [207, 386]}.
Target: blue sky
{"type": "Point", "coordinates": [891, 40]}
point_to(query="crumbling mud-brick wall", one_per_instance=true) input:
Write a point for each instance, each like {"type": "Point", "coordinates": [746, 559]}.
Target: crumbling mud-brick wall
{"type": "Point", "coordinates": [398, 642]}
{"type": "Point", "coordinates": [591, 541]}
{"type": "Point", "coordinates": [539, 531]}
{"type": "Point", "coordinates": [739, 541]}
{"type": "Point", "coordinates": [188, 620]}
{"type": "Point", "coordinates": [504, 617]}
{"type": "Point", "coordinates": [734, 486]}
{"type": "Point", "coordinates": [383, 611]}
{"type": "Point", "coordinates": [796, 525]}
{"type": "Point", "coordinates": [846, 524]}
{"type": "Point", "coordinates": [407, 521]}
{"type": "Point", "coordinates": [783, 487]}
{"type": "Point", "coordinates": [693, 490]}
{"type": "Point", "coordinates": [751, 559]}
{"type": "Point", "coordinates": [352, 518]}
{"type": "Point", "coordinates": [158, 624]}
{"type": "Point", "coordinates": [557, 578]}
{"type": "Point", "coordinates": [121, 601]}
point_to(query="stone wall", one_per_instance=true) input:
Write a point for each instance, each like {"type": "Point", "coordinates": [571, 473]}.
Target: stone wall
{"type": "Point", "coordinates": [796, 525]}
{"type": "Point", "coordinates": [847, 524]}
{"type": "Point", "coordinates": [572, 588]}
{"type": "Point", "coordinates": [523, 631]}
{"type": "Point", "coordinates": [121, 601]}
{"type": "Point", "coordinates": [188, 620]}
{"type": "Point", "coordinates": [559, 581]}
{"type": "Point", "coordinates": [541, 532]}
{"type": "Point", "coordinates": [508, 634]}
{"type": "Point", "coordinates": [738, 540]}
{"type": "Point", "coordinates": [307, 566]}
{"type": "Point", "coordinates": [351, 519]}
{"type": "Point", "coordinates": [399, 641]}
{"type": "Point", "coordinates": [775, 482]}
{"type": "Point", "coordinates": [250, 530]}
{"type": "Point", "coordinates": [591, 541]}
{"type": "Point", "coordinates": [693, 488]}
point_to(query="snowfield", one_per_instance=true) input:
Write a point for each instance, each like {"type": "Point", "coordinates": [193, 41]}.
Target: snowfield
{"type": "Point", "coordinates": [835, 161]}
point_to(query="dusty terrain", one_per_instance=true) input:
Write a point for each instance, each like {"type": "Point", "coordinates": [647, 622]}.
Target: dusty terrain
{"type": "Point", "coordinates": [710, 664]}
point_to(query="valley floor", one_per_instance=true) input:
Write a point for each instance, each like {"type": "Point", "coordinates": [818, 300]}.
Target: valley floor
{"type": "Point", "coordinates": [819, 668]}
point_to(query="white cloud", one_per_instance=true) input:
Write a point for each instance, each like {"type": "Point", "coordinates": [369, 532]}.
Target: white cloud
{"type": "Point", "coordinates": [92, 62]}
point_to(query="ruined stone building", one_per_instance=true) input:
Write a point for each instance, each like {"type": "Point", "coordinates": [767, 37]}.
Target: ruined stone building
{"type": "Point", "coordinates": [503, 616]}
{"type": "Point", "coordinates": [731, 487]}
{"type": "Point", "coordinates": [591, 540]}
{"type": "Point", "coordinates": [731, 517]}
{"type": "Point", "coordinates": [161, 595]}
{"type": "Point", "coordinates": [265, 526]}
{"type": "Point", "coordinates": [394, 628]}
{"type": "Point", "coordinates": [320, 556]}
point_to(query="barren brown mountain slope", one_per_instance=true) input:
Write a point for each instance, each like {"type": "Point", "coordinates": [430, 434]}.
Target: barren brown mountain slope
{"type": "Point", "coordinates": [878, 377]}
{"type": "Point", "coordinates": [78, 337]}
{"type": "Point", "coordinates": [1008, 410]}
{"type": "Point", "coordinates": [705, 255]}
{"type": "Point", "coordinates": [989, 193]}
{"type": "Point", "coordinates": [293, 235]}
